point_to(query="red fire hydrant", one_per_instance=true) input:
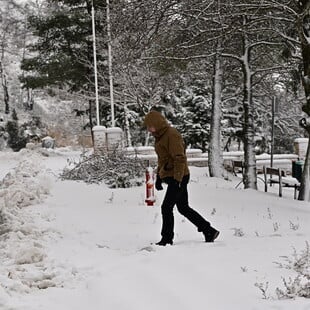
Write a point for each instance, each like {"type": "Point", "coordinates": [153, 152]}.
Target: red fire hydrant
{"type": "Point", "coordinates": [149, 176]}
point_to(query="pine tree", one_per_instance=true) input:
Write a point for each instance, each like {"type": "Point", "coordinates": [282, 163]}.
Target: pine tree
{"type": "Point", "coordinates": [62, 54]}
{"type": "Point", "coordinates": [189, 109]}
{"type": "Point", "coordinates": [16, 140]}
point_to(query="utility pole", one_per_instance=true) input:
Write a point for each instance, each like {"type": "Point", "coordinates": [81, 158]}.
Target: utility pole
{"type": "Point", "coordinates": [110, 63]}
{"type": "Point", "coordinates": [273, 106]}
{"type": "Point", "coordinates": [95, 63]}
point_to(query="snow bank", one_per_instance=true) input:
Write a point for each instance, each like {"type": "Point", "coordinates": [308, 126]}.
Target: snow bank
{"type": "Point", "coordinates": [23, 256]}
{"type": "Point", "coordinates": [26, 185]}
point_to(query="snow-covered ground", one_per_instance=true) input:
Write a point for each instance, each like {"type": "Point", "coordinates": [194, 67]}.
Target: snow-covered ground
{"type": "Point", "coordinates": [71, 246]}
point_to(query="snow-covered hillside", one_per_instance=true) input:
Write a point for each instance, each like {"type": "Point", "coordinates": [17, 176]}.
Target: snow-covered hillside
{"type": "Point", "coordinates": [70, 246]}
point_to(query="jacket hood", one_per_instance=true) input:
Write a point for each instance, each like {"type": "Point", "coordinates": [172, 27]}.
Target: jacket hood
{"type": "Point", "coordinates": [156, 120]}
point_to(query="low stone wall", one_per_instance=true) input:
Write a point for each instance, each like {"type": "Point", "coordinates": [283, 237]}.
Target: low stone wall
{"type": "Point", "coordinates": [197, 158]}
{"type": "Point", "coordinates": [282, 161]}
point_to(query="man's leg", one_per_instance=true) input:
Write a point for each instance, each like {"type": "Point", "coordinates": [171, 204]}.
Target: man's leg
{"type": "Point", "coordinates": [167, 213]}
{"type": "Point", "coordinates": [193, 216]}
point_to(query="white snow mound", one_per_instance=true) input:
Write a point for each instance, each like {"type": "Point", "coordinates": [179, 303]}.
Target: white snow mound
{"type": "Point", "coordinates": [23, 258]}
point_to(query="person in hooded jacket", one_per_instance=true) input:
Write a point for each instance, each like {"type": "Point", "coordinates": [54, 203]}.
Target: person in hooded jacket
{"type": "Point", "coordinates": [172, 169]}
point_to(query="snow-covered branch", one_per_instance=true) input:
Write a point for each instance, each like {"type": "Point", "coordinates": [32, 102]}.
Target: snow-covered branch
{"type": "Point", "coordinates": [232, 56]}
{"type": "Point", "coordinates": [274, 68]}
{"type": "Point", "coordinates": [200, 56]}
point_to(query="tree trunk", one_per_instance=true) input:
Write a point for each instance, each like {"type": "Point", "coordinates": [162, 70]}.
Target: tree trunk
{"type": "Point", "coordinates": [91, 124]}
{"type": "Point", "coordinates": [250, 177]}
{"type": "Point", "coordinates": [304, 34]}
{"type": "Point", "coordinates": [127, 126]}
{"type": "Point", "coordinates": [4, 84]}
{"type": "Point", "coordinates": [250, 180]}
{"type": "Point", "coordinates": [6, 96]}
{"type": "Point", "coordinates": [304, 192]}
{"type": "Point", "coordinates": [215, 151]}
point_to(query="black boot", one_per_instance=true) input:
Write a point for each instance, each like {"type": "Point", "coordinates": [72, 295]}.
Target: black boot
{"type": "Point", "coordinates": [210, 234]}
{"type": "Point", "coordinates": [164, 242]}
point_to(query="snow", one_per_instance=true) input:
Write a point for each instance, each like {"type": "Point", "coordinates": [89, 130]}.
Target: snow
{"type": "Point", "coordinates": [301, 140]}
{"type": "Point", "coordinates": [68, 245]}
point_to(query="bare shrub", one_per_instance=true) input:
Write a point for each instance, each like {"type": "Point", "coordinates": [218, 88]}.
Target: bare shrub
{"type": "Point", "coordinates": [114, 169]}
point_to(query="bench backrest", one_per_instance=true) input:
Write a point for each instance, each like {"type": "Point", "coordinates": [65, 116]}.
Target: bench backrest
{"type": "Point", "coordinates": [238, 163]}
{"type": "Point", "coordinates": [274, 171]}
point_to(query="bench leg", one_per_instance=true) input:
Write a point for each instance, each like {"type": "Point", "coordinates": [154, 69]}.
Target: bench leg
{"type": "Point", "coordinates": [265, 179]}
{"type": "Point", "coordinates": [239, 184]}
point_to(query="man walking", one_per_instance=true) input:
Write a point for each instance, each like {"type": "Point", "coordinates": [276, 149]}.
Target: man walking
{"type": "Point", "coordinates": [173, 170]}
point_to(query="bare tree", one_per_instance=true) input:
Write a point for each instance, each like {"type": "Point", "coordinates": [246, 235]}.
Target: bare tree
{"type": "Point", "coordinates": [238, 32]}
{"type": "Point", "coordinates": [303, 27]}
{"type": "Point", "coordinates": [9, 25]}
{"type": "Point", "coordinates": [215, 158]}
{"type": "Point", "coordinates": [292, 24]}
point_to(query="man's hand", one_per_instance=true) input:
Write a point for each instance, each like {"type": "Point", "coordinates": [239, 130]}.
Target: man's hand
{"type": "Point", "coordinates": [158, 183]}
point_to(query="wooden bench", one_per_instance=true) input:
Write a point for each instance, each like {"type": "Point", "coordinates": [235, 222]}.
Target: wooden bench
{"type": "Point", "coordinates": [238, 166]}
{"type": "Point", "coordinates": [278, 176]}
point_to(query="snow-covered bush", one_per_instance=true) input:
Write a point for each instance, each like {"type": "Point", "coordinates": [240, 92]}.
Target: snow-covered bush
{"type": "Point", "coordinates": [16, 139]}
{"type": "Point", "coordinates": [297, 286]}
{"type": "Point", "coordinates": [34, 129]}
{"type": "Point", "coordinates": [238, 232]}
{"type": "Point", "coordinates": [300, 285]}
{"type": "Point", "coordinates": [115, 169]}
{"type": "Point", "coordinates": [19, 135]}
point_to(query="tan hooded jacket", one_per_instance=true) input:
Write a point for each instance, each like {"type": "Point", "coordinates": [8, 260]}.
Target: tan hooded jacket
{"type": "Point", "coordinates": [169, 147]}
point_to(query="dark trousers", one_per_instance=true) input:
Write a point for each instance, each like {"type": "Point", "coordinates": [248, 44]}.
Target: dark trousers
{"type": "Point", "coordinates": [178, 196]}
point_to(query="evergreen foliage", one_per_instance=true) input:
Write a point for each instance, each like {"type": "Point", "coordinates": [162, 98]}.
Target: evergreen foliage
{"type": "Point", "coordinates": [192, 113]}
{"type": "Point", "coordinates": [14, 115]}
{"type": "Point", "coordinates": [16, 139]}
{"type": "Point", "coordinates": [62, 54]}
